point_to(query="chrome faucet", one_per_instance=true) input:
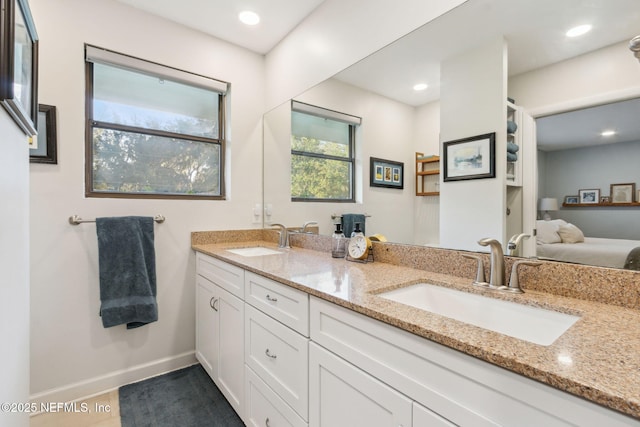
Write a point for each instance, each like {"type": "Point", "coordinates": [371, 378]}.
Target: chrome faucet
{"type": "Point", "coordinates": [514, 243]}
{"type": "Point", "coordinates": [307, 224]}
{"type": "Point", "coordinates": [303, 229]}
{"type": "Point", "coordinates": [283, 241]}
{"type": "Point", "coordinates": [496, 279]}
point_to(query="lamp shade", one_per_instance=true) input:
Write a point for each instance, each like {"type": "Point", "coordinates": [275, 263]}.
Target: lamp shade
{"type": "Point", "coordinates": [548, 204]}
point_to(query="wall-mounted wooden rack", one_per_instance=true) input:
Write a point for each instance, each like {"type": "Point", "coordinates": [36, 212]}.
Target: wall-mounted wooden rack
{"type": "Point", "coordinates": [601, 205]}
{"type": "Point", "coordinates": [427, 167]}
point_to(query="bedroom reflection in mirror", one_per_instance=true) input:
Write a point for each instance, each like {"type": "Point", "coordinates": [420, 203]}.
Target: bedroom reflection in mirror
{"type": "Point", "coordinates": [563, 241]}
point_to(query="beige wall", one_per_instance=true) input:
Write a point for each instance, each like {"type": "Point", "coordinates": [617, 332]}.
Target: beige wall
{"type": "Point", "coordinates": [14, 268]}
{"type": "Point", "coordinates": [338, 35]}
{"type": "Point", "coordinates": [71, 353]}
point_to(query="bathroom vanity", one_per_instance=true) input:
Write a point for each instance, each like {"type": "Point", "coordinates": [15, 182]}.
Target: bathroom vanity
{"type": "Point", "coordinates": [306, 339]}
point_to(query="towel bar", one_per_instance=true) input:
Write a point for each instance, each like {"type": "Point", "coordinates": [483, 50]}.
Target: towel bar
{"type": "Point", "coordinates": [75, 219]}
{"type": "Point", "coordinates": [336, 216]}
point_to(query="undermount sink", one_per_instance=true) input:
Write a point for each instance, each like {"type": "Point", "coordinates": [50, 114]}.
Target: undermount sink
{"type": "Point", "coordinates": [536, 325]}
{"type": "Point", "coordinates": [254, 251]}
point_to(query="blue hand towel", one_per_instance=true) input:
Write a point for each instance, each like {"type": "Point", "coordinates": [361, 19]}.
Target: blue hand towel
{"type": "Point", "coordinates": [349, 223]}
{"type": "Point", "coordinates": [127, 271]}
{"type": "Point", "coordinates": [512, 157]}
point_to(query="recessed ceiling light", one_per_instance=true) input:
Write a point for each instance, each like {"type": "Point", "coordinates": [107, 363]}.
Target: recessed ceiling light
{"type": "Point", "coordinates": [579, 30]}
{"type": "Point", "coordinates": [248, 17]}
{"type": "Point", "coordinates": [420, 86]}
{"type": "Point", "coordinates": [608, 133]}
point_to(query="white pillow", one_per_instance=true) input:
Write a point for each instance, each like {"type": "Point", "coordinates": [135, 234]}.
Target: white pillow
{"type": "Point", "coordinates": [547, 232]}
{"type": "Point", "coordinates": [569, 233]}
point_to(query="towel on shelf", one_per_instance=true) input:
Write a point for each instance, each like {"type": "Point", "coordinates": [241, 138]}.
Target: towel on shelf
{"type": "Point", "coordinates": [512, 148]}
{"type": "Point", "coordinates": [512, 157]}
{"type": "Point", "coordinates": [511, 126]}
{"type": "Point", "coordinates": [349, 223]}
{"type": "Point", "coordinates": [127, 264]}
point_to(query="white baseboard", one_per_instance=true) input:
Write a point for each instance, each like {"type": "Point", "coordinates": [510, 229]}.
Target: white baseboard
{"type": "Point", "coordinates": [104, 383]}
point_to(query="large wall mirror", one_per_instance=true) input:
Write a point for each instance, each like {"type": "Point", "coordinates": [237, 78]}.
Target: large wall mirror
{"type": "Point", "coordinates": [543, 71]}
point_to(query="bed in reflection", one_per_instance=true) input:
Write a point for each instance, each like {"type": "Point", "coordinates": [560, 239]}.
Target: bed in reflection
{"type": "Point", "coordinates": [562, 241]}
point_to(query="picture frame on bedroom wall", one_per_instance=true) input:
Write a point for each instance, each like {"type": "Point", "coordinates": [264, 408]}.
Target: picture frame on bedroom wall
{"type": "Point", "coordinates": [571, 200]}
{"type": "Point", "coordinates": [622, 193]}
{"type": "Point", "coordinates": [590, 196]}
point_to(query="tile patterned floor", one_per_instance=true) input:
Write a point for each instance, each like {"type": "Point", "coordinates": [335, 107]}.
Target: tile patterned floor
{"type": "Point", "coordinates": [102, 411]}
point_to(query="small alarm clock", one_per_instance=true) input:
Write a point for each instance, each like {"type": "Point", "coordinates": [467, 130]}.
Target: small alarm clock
{"type": "Point", "coordinates": [359, 247]}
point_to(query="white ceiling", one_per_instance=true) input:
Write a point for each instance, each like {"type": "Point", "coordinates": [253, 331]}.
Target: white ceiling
{"type": "Point", "coordinates": [583, 127]}
{"type": "Point", "coordinates": [534, 31]}
{"type": "Point", "coordinates": [219, 18]}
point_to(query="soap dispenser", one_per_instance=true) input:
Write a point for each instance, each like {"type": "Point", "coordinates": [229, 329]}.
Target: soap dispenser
{"type": "Point", "coordinates": [338, 243]}
{"type": "Point", "coordinates": [356, 231]}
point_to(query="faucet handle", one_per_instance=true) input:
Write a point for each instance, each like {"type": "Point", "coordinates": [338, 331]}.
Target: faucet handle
{"type": "Point", "coordinates": [514, 285]}
{"type": "Point", "coordinates": [480, 277]}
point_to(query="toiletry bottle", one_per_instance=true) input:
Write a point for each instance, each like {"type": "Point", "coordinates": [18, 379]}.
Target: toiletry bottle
{"type": "Point", "coordinates": [356, 231]}
{"type": "Point", "coordinates": [338, 243]}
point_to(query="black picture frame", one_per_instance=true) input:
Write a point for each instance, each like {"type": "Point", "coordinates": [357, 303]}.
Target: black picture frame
{"type": "Point", "coordinates": [386, 173]}
{"type": "Point", "coordinates": [44, 147]}
{"type": "Point", "coordinates": [19, 64]}
{"type": "Point", "coordinates": [470, 158]}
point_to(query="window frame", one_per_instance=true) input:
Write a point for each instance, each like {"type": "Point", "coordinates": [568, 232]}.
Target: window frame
{"type": "Point", "coordinates": [353, 122]}
{"type": "Point", "coordinates": [90, 124]}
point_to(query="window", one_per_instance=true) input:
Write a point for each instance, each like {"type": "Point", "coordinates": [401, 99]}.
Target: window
{"type": "Point", "coordinates": [152, 131]}
{"type": "Point", "coordinates": [322, 154]}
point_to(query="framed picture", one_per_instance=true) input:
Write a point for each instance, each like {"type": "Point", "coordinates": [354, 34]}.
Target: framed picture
{"type": "Point", "coordinates": [43, 146]}
{"type": "Point", "coordinates": [622, 193]}
{"type": "Point", "coordinates": [386, 173]}
{"type": "Point", "coordinates": [571, 200]}
{"type": "Point", "coordinates": [605, 200]}
{"type": "Point", "coordinates": [470, 158]}
{"type": "Point", "coordinates": [19, 64]}
{"type": "Point", "coordinates": [589, 196]}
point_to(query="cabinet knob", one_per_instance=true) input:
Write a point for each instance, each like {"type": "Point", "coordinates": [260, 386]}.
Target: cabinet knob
{"type": "Point", "coordinates": [268, 353]}
{"type": "Point", "coordinates": [270, 298]}
{"type": "Point", "coordinates": [266, 422]}
{"type": "Point", "coordinates": [212, 303]}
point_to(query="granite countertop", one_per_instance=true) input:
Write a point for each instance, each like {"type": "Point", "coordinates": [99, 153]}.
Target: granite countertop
{"type": "Point", "coordinates": [598, 358]}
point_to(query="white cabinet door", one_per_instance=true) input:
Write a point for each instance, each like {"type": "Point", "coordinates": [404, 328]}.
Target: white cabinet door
{"type": "Point", "coordinates": [345, 396]}
{"type": "Point", "coordinates": [206, 320]}
{"type": "Point", "coordinates": [230, 372]}
{"type": "Point", "coordinates": [220, 339]}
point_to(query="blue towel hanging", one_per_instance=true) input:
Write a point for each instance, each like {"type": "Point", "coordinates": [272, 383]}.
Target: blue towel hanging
{"type": "Point", "coordinates": [127, 267]}
{"type": "Point", "coordinates": [349, 223]}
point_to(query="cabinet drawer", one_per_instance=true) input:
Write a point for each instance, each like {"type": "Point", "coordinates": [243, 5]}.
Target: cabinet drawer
{"type": "Point", "coordinates": [279, 356]}
{"type": "Point", "coordinates": [227, 276]}
{"type": "Point", "coordinates": [285, 304]}
{"type": "Point", "coordinates": [265, 408]}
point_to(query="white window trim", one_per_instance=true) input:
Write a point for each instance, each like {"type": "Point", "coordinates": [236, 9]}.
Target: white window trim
{"type": "Point", "coordinates": [108, 57]}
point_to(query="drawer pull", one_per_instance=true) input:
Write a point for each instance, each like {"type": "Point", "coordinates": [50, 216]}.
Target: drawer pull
{"type": "Point", "coordinates": [213, 302]}
{"type": "Point", "coordinates": [270, 298]}
{"type": "Point", "coordinates": [268, 353]}
{"type": "Point", "coordinates": [266, 422]}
